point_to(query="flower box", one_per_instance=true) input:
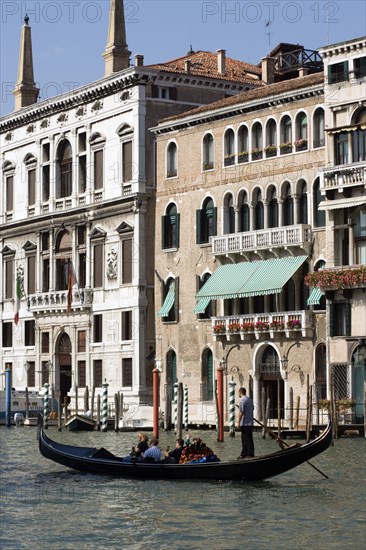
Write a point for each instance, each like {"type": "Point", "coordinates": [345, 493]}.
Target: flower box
{"type": "Point", "coordinates": [277, 325]}
{"type": "Point", "coordinates": [285, 148]}
{"type": "Point", "coordinates": [301, 144]}
{"type": "Point", "coordinates": [229, 160]}
{"type": "Point", "coordinates": [257, 154]}
{"type": "Point", "coordinates": [234, 327]}
{"type": "Point", "coordinates": [293, 324]}
{"type": "Point", "coordinates": [243, 157]}
{"type": "Point", "coordinates": [219, 329]}
{"type": "Point", "coordinates": [208, 166]}
{"type": "Point", "coordinates": [337, 279]}
{"type": "Point", "coordinates": [260, 325]}
{"type": "Point", "coordinates": [271, 151]}
{"type": "Point", "coordinates": [247, 327]}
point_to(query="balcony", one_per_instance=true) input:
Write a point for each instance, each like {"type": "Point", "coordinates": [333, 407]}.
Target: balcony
{"type": "Point", "coordinates": [259, 326]}
{"type": "Point", "coordinates": [338, 278]}
{"type": "Point", "coordinates": [56, 301]}
{"type": "Point", "coordinates": [263, 239]}
{"type": "Point", "coordinates": [338, 177]}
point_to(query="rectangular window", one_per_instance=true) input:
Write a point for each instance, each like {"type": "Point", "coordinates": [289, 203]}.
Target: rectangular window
{"type": "Point", "coordinates": [9, 279]}
{"type": "Point", "coordinates": [45, 242]}
{"type": "Point", "coordinates": [340, 319]}
{"type": "Point", "coordinates": [44, 373]}
{"type": "Point", "coordinates": [81, 235]}
{"type": "Point", "coordinates": [46, 275]}
{"type": "Point", "coordinates": [127, 261]}
{"type": "Point", "coordinates": [31, 274]}
{"type": "Point", "coordinates": [341, 148]}
{"type": "Point", "coordinates": [45, 183]}
{"type": "Point", "coordinates": [360, 67]}
{"type": "Point", "coordinates": [82, 341]}
{"type": "Point", "coordinates": [82, 173]}
{"type": "Point", "coordinates": [98, 170]}
{"type": "Point", "coordinates": [30, 333]}
{"type": "Point", "coordinates": [31, 187]}
{"type": "Point", "coordinates": [81, 374]}
{"type": "Point", "coordinates": [31, 374]}
{"type": "Point", "coordinates": [98, 264]}
{"type": "Point", "coordinates": [7, 335]}
{"type": "Point", "coordinates": [126, 325]}
{"type": "Point", "coordinates": [98, 373]}
{"type": "Point", "coordinates": [338, 72]}
{"type": "Point", "coordinates": [9, 193]}
{"type": "Point", "coordinates": [45, 342]}
{"type": "Point", "coordinates": [98, 328]}
{"type": "Point", "coordinates": [127, 372]}
{"type": "Point", "coordinates": [46, 152]}
{"type": "Point", "coordinates": [127, 161]}
{"type": "Point", "coordinates": [82, 270]}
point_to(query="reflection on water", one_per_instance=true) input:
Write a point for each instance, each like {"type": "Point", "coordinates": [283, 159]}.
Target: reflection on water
{"type": "Point", "coordinates": [45, 506]}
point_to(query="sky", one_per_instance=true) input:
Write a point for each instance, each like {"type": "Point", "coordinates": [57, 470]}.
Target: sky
{"type": "Point", "coordinates": [69, 36]}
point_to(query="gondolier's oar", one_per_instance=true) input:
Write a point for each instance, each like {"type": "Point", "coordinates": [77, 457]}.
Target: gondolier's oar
{"type": "Point", "coordinates": [282, 442]}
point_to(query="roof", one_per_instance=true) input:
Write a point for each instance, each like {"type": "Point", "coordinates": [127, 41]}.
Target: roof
{"type": "Point", "coordinates": [205, 64]}
{"type": "Point", "coordinates": [258, 93]}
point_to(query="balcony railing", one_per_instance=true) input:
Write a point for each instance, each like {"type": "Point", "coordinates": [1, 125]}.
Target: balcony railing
{"type": "Point", "coordinates": [262, 239]}
{"type": "Point", "coordinates": [347, 175]}
{"type": "Point", "coordinates": [57, 300]}
{"type": "Point", "coordinates": [262, 325]}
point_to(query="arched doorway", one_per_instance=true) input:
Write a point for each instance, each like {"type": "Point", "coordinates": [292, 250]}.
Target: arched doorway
{"type": "Point", "coordinates": [358, 380]}
{"type": "Point", "coordinates": [270, 379]}
{"type": "Point", "coordinates": [171, 372]}
{"type": "Point", "coordinates": [63, 360]}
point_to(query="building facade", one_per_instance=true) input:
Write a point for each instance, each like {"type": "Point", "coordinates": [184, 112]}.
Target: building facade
{"type": "Point", "coordinates": [242, 225]}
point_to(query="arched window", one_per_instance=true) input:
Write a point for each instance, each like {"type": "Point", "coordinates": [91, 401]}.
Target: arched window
{"type": "Point", "coordinates": [229, 148]}
{"type": "Point", "coordinates": [243, 144]}
{"type": "Point", "coordinates": [257, 141]}
{"type": "Point", "coordinates": [321, 371]}
{"type": "Point", "coordinates": [286, 135]}
{"type": "Point", "coordinates": [321, 305]}
{"type": "Point", "coordinates": [229, 214]}
{"type": "Point", "coordinates": [319, 215]}
{"type": "Point", "coordinates": [301, 142]}
{"type": "Point", "coordinates": [170, 227]}
{"type": "Point", "coordinates": [303, 289]}
{"type": "Point", "coordinates": [359, 219]}
{"type": "Point", "coordinates": [271, 380]}
{"type": "Point", "coordinates": [207, 392]}
{"type": "Point", "coordinates": [64, 170]}
{"type": "Point", "coordinates": [63, 259]}
{"type": "Point", "coordinates": [208, 152]}
{"type": "Point", "coordinates": [171, 160]}
{"type": "Point", "coordinates": [210, 309]}
{"type": "Point", "coordinates": [273, 209]}
{"type": "Point", "coordinates": [303, 202]}
{"type": "Point", "coordinates": [169, 311]}
{"type": "Point", "coordinates": [171, 368]}
{"type": "Point", "coordinates": [206, 222]}
{"type": "Point", "coordinates": [30, 162]}
{"type": "Point", "coordinates": [244, 215]}
{"type": "Point", "coordinates": [271, 138]}
{"type": "Point", "coordinates": [258, 210]}
{"type": "Point", "coordinates": [318, 128]}
{"type": "Point", "coordinates": [9, 172]}
{"type": "Point", "coordinates": [289, 295]}
{"type": "Point", "coordinates": [359, 137]}
{"type": "Point", "coordinates": [288, 207]}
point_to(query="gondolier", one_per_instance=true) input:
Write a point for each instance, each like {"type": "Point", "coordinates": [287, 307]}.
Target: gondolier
{"type": "Point", "coordinates": [245, 424]}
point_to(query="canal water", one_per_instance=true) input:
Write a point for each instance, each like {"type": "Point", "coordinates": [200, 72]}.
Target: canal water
{"type": "Point", "coordinates": [46, 506]}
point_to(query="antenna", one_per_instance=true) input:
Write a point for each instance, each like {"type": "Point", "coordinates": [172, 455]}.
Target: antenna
{"type": "Point", "coordinates": [268, 29]}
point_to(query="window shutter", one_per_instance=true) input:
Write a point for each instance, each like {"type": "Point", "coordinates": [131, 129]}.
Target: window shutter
{"type": "Point", "coordinates": [345, 70]}
{"type": "Point", "coordinates": [176, 300]}
{"type": "Point", "coordinates": [154, 91]}
{"type": "Point", "coordinates": [173, 94]}
{"type": "Point", "coordinates": [177, 226]}
{"type": "Point", "coordinates": [198, 226]}
{"type": "Point", "coordinates": [347, 313]}
{"type": "Point", "coordinates": [31, 187]}
{"type": "Point", "coordinates": [164, 229]}
{"type": "Point", "coordinates": [214, 222]}
{"type": "Point", "coordinates": [331, 319]}
{"type": "Point", "coordinates": [98, 170]}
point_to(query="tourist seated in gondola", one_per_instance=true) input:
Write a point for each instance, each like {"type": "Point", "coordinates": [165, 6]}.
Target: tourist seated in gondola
{"type": "Point", "coordinates": [141, 446]}
{"type": "Point", "coordinates": [197, 452]}
{"type": "Point", "coordinates": [176, 453]}
{"type": "Point", "coordinates": [153, 453]}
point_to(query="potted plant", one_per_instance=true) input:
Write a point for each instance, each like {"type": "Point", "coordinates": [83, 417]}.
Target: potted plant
{"type": "Point", "coordinates": [336, 279]}
{"type": "Point", "coordinates": [277, 325]}
{"type": "Point", "coordinates": [243, 156]}
{"type": "Point", "coordinates": [247, 327]}
{"type": "Point", "coordinates": [219, 328]}
{"type": "Point", "coordinates": [293, 324]}
{"type": "Point", "coordinates": [301, 144]}
{"type": "Point", "coordinates": [208, 166]}
{"type": "Point", "coordinates": [234, 327]}
{"type": "Point", "coordinates": [285, 148]}
{"type": "Point", "coordinates": [260, 325]}
{"type": "Point", "coordinates": [270, 150]}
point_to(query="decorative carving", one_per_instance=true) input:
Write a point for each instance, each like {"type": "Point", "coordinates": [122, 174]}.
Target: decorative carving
{"type": "Point", "coordinates": [80, 112]}
{"type": "Point", "coordinates": [45, 123]}
{"type": "Point", "coordinates": [62, 118]}
{"type": "Point", "coordinates": [97, 106]}
{"type": "Point", "coordinates": [112, 264]}
{"type": "Point", "coordinates": [125, 96]}
{"type": "Point", "coordinates": [31, 128]}
{"type": "Point", "coordinates": [9, 136]}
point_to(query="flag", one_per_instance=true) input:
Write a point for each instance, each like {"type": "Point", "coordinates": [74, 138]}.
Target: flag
{"type": "Point", "coordinates": [18, 296]}
{"type": "Point", "coordinates": [71, 280]}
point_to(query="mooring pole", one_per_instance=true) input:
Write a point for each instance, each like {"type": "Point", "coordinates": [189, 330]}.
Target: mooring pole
{"type": "Point", "coordinates": [156, 402]}
{"type": "Point", "coordinates": [46, 407]}
{"type": "Point", "coordinates": [8, 396]}
{"type": "Point", "coordinates": [220, 402]}
{"type": "Point", "coordinates": [105, 407]}
{"type": "Point", "coordinates": [232, 385]}
{"type": "Point", "coordinates": [186, 407]}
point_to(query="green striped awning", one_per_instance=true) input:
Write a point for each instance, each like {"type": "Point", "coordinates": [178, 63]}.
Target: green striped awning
{"type": "Point", "coordinates": [202, 304]}
{"type": "Point", "coordinates": [250, 278]}
{"type": "Point", "coordinates": [168, 302]}
{"type": "Point", "coordinates": [314, 297]}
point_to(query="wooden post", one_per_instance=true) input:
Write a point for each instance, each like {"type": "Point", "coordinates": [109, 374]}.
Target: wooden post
{"type": "Point", "coordinates": [333, 408]}
{"type": "Point", "coordinates": [316, 402]}
{"type": "Point", "coordinates": [168, 412]}
{"type": "Point", "coordinates": [180, 411]}
{"type": "Point", "coordinates": [76, 400]}
{"type": "Point", "coordinates": [266, 416]}
{"type": "Point", "coordinates": [92, 402]}
{"type": "Point", "coordinates": [121, 411]}
{"type": "Point", "coordinates": [263, 405]}
{"type": "Point", "coordinates": [26, 403]}
{"type": "Point", "coordinates": [297, 412]}
{"type": "Point", "coordinates": [86, 399]}
{"type": "Point", "coordinates": [291, 408]}
{"type": "Point", "coordinates": [279, 407]}
{"type": "Point", "coordinates": [59, 412]}
{"type": "Point", "coordinates": [156, 382]}
{"type": "Point", "coordinates": [364, 407]}
{"type": "Point", "coordinates": [52, 400]}
{"type": "Point", "coordinates": [98, 412]}
{"type": "Point", "coordinates": [220, 401]}
{"type": "Point", "coordinates": [116, 412]}
{"type": "Point", "coordinates": [307, 410]}
{"type": "Point", "coordinates": [65, 408]}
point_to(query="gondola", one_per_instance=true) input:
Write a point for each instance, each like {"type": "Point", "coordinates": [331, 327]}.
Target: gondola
{"type": "Point", "coordinates": [101, 461]}
{"type": "Point", "coordinates": [79, 423]}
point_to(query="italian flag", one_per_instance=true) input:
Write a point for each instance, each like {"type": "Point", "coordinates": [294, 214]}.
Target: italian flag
{"type": "Point", "coordinates": [18, 297]}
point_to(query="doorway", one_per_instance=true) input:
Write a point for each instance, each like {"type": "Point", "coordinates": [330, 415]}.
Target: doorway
{"type": "Point", "coordinates": [63, 357]}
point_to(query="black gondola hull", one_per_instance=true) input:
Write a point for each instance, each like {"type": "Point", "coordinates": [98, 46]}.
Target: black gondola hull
{"type": "Point", "coordinates": [264, 467]}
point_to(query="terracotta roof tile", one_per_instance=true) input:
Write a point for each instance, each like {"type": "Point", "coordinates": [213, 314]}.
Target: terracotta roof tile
{"type": "Point", "coordinates": [204, 64]}
{"type": "Point", "coordinates": [257, 93]}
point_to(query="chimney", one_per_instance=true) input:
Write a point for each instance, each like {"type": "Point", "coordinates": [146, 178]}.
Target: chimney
{"type": "Point", "coordinates": [268, 75]}
{"type": "Point", "coordinates": [139, 60]}
{"type": "Point", "coordinates": [303, 71]}
{"type": "Point", "coordinates": [221, 61]}
{"type": "Point", "coordinates": [187, 66]}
